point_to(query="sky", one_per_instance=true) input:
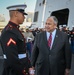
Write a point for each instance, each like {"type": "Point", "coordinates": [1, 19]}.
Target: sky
{"type": "Point", "coordinates": [5, 3]}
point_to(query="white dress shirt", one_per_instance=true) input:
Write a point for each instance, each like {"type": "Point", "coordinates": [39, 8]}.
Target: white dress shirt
{"type": "Point", "coordinates": [53, 36]}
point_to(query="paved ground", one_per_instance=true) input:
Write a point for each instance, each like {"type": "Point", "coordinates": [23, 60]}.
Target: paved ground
{"type": "Point", "coordinates": [1, 63]}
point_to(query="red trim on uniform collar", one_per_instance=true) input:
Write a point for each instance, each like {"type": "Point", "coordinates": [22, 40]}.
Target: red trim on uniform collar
{"type": "Point", "coordinates": [13, 24]}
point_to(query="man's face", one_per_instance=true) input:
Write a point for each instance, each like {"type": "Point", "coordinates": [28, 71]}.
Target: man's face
{"type": "Point", "coordinates": [20, 18]}
{"type": "Point", "coordinates": [50, 25]}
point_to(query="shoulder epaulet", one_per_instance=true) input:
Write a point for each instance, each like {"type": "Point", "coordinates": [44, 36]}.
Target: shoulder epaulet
{"type": "Point", "coordinates": [9, 27]}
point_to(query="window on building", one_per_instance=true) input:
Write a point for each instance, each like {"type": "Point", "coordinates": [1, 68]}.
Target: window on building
{"type": "Point", "coordinates": [43, 1]}
{"type": "Point", "coordinates": [35, 16]}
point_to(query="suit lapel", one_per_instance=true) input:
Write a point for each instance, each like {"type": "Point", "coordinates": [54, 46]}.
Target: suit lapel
{"type": "Point", "coordinates": [45, 40]}
{"type": "Point", "coordinates": [55, 39]}
{"type": "Point", "coordinates": [55, 42]}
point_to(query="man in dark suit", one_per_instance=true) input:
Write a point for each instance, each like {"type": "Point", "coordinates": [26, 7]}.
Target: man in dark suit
{"type": "Point", "coordinates": [53, 57]}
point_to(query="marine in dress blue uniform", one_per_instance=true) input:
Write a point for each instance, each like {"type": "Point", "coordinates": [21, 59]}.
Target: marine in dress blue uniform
{"type": "Point", "coordinates": [13, 44]}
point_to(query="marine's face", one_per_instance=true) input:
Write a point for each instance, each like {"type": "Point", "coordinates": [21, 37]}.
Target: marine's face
{"type": "Point", "coordinates": [20, 18]}
{"type": "Point", "coordinates": [50, 25]}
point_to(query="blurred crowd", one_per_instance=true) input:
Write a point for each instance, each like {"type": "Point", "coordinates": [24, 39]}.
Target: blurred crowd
{"type": "Point", "coordinates": [70, 34]}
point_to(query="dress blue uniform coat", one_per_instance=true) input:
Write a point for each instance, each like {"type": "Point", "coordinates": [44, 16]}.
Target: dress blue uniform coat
{"type": "Point", "coordinates": [13, 44]}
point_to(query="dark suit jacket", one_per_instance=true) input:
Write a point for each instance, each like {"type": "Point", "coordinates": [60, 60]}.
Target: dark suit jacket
{"type": "Point", "coordinates": [53, 61]}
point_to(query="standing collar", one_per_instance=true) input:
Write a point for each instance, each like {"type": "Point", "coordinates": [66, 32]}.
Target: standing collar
{"type": "Point", "coordinates": [13, 24]}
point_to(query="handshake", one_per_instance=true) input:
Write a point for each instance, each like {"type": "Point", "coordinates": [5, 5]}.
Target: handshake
{"type": "Point", "coordinates": [31, 71]}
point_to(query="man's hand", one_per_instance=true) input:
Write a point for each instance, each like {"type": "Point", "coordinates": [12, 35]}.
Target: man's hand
{"type": "Point", "coordinates": [31, 71]}
{"type": "Point", "coordinates": [67, 71]}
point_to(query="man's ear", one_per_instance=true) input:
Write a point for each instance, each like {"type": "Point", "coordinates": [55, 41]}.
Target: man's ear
{"type": "Point", "coordinates": [16, 13]}
{"type": "Point", "coordinates": [55, 26]}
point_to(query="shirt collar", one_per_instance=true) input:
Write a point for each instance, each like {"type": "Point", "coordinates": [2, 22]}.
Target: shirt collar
{"type": "Point", "coordinates": [53, 33]}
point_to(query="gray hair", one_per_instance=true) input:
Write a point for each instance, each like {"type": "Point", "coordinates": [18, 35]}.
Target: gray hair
{"type": "Point", "coordinates": [55, 19]}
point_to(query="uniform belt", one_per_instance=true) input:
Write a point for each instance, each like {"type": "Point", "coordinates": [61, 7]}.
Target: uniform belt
{"type": "Point", "coordinates": [20, 56]}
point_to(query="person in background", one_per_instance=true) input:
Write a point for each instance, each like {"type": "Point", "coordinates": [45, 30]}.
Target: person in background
{"type": "Point", "coordinates": [29, 46]}
{"type": "Point", "coordinates": [72, 40]}
{"type": "Point", "coordinates": [51, 53]}
{"type": "Point", "coordinates": [28, 35]}
{"type": "Point", "coordinates": [37, 31]}
{"type": "Point", "coordinates": [13, 44]}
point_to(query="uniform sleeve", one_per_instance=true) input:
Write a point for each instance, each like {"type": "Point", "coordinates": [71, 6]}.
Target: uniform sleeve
{"type": "Point", "coordinates": [9, 44]}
